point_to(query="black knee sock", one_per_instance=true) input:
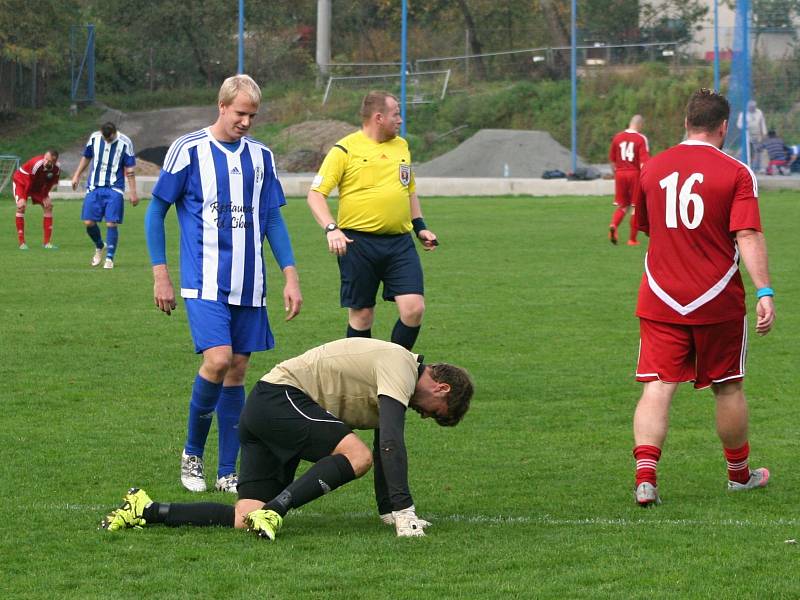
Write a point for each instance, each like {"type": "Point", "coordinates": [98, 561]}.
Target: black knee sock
{"type": "Point", "coordinates": [404, 335]}
{"type": "Point", "coordinates": [367, 333]}
{"type": "Point", "coordinates": [201, 514]}
{"type": "Point", "coordinates": [324, 476]}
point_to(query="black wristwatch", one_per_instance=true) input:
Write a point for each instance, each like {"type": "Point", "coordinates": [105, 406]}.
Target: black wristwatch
{"type": "Point", "coordinates": [331, 227]}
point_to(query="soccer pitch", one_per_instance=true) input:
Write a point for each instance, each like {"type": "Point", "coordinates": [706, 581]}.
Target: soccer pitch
{"type": "Point", "coordinates": [530, 497]}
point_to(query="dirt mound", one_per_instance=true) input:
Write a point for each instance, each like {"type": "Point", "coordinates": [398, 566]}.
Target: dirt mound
{"type": "Point", "coordinates": [500, 153]}
{"type": "Point", "coordinates": [302, 147]}
{"type": "Point", "coordinates": [146, 168]}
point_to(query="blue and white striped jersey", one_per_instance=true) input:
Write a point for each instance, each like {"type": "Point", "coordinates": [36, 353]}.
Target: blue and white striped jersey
{"type": "Point", "coordinates": [223, 199]}
{"type": "Point", "coordinates": [108, 161]}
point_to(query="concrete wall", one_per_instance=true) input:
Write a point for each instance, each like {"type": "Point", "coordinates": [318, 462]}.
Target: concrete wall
{"type": "Point", "coordinates": [298, 185]}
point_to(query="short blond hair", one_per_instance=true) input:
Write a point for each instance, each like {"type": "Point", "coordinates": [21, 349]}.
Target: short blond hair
{"type": "Point", "coordinates": [231, 87]}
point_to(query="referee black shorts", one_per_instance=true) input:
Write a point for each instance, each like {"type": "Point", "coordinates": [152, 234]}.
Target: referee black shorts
{"type": "Point", "coordinates": [278, 427]}
{"type": "Point", "coordinates": [372, 259]}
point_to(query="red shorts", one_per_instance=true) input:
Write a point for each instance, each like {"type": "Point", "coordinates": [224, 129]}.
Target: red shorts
{"type": "Point", "coordinates": [704, 354]}
{"type": "Point", "coordinates": [34, 199]}
{"type": "Point", "coordinates": [625, 184]}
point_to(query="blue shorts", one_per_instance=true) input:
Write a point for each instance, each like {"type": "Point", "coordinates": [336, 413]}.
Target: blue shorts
{"type": "Point", "coordinates": [372, 259]}
{"type": "Point", "coordinates": [103, 203]}
{"type": "Point", "coordinates": [243, 328]}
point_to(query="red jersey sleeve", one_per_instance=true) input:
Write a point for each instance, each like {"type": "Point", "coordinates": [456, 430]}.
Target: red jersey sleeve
{"type": "Point", "coordinates": [612, 151]}
{"type": "Point", "coordinates": [641, 208]}
{"type": "Point", "coordinates": [744, 209]}
{"type": "Point", "coordinates": [644, 153]}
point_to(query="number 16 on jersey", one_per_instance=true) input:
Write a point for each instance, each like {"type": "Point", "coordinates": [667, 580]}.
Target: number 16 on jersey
{"type": "Point", "coordinates": [678, 202]}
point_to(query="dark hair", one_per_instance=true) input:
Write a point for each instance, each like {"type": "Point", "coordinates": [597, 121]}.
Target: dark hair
{"type": "Point", "coordinates": [374, 102]}
{"type": "Point", "coordinates": [772, 133]}
{"type": "Point", "coordinates": [108, 129]}
{"type": "Point", "coordinates": [52, 152]}
{"type": "Point", "coordinates": [461, 390]}
{"type": "Point", "coordinates": [706, 110]}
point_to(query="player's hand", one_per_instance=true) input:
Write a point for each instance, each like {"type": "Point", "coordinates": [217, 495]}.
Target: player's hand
{"type": "Point", "coordinates": [428, 239]}
{"type": "Point", "coordinates": [292, 298]}
{"type": "Point", "coordinates": [163, 292]}
{"type": "Point", "coordinates": [765, 312]}
{"type": "Point", "coordinates": [134, 199]}
{"type": "Point", "coordinates": [74, 183]}
{"type": "Point", "coordinates": [337, 242]}
{"type": "Point", "coordinates": [408, 524]}
{"type": "Point", "coordinates": [388, 519]}
{"type": "Point", "coordinates": [47, 202]}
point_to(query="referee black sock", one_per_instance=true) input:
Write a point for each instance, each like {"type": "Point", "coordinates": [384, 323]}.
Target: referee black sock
{"type": "Point", "coordinates": [367, 333]}
{"type": "Point", "coordinates": [324, 476]}
{"type": "Point", "coordinates": [200, 514]}
{"type": "Point", "coordinates": [404, 335]}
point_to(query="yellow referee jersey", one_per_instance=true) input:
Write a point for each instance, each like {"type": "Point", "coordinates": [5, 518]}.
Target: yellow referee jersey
{"type": "Point", "coordinates": [374, 181]}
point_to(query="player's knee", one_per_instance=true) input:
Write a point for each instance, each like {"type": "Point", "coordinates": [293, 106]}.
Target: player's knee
{"type": "Point", "coordinates": [361, 319]}
{"type": "Point", "coordinates": [361, 460]}
{"type": "Point", "coordinates": [412, 312]}
{"type": "Point", "coordinates": [216, 366]}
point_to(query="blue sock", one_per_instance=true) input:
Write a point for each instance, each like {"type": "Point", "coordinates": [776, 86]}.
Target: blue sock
{"type": "Point", "coordinates": [201, 410]}
{"type": "Point", "coordinates": [94, 233]}
{"type": "Point", "coordinates": [229, 407]}
{"type": "Point", "coordinates": [112, 236]}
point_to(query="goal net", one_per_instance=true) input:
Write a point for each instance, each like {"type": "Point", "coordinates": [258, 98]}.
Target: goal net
{"type": "Point", "coordinates": [421, 87]}
{"type": "Point", "coordinates": [8, 164]}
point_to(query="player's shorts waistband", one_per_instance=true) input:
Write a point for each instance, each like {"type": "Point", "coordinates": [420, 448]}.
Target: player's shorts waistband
{"type": "Point", "coordinates": [376, 236]}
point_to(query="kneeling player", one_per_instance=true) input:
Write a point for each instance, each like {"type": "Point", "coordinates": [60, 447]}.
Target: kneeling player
{"type": "Point", "coordinates": [303, 409]}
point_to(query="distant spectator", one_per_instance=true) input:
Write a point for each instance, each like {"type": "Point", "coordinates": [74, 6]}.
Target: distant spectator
{"type": "Point", "coordinates": [794, 164]}
{"type": "Point", "coordinates": [756, 131]}
{"type": "Point", "coordinates": [779, 155]}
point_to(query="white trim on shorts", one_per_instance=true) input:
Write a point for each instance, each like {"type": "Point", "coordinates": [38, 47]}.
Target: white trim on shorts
{"type": "Point", "coordinates": [289, 398]}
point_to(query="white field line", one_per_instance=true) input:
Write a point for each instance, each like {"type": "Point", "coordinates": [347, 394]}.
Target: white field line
{"type": "Point", "coordinates": [548, 520]}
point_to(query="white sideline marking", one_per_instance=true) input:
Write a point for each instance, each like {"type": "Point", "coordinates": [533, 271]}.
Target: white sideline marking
{"type": "Point", "coordinates": [515, 520]}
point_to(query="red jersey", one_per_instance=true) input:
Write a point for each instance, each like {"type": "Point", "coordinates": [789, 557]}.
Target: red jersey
{"type": "Point", "coordinates": [629, 151]}
{"type": "Point", "coordinates": [32, 180]}
{"type": "Point", "coordinates": [691, 201]}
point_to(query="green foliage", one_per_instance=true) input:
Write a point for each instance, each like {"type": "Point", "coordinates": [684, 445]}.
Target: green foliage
{"type": "Point", "coordinates": [32, 132]}
{"type": "Point", "coordinates": [530, 497]}
{"type": "Point", "coordinates": [36, 30]}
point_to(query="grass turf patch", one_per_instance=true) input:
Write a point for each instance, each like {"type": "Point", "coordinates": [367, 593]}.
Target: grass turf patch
{"type": "Point", "coordinates": [530, 496]}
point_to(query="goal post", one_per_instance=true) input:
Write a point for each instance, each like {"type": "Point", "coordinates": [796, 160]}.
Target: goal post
{"type": "Point", "coordinates": [422, 86]}
{"type": "Point", "coordinates": [8, 164]}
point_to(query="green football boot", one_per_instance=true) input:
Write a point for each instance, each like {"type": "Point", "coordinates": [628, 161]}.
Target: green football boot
{"type": "Point", "coordinates": [129, 514]}
{"type": "Point", "coordinates": [264, 523]}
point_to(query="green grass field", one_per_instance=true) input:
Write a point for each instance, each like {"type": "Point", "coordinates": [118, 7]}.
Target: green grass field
{"type": "Point", "coordinates": [530, 497]}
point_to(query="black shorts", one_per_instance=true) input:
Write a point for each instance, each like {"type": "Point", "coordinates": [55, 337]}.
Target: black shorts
{"type": "Point", "coordinates": [278, 427]}
{"type": "Point", "coordinates": [372, 259]}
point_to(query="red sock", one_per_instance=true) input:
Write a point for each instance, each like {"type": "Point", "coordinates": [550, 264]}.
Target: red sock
{"type": "Point", "coordinates": [20, 228]}
{"type": "Point", "coordinates": [738, 467]}
{"type": "Point", "coordinates": [47, 224]}
{"type": "Point", "coordinates": [646, 462]}
{"type": "Point", "coordinates": [617, 217]}
{"type": "Point", "coordinates": [634, 226]}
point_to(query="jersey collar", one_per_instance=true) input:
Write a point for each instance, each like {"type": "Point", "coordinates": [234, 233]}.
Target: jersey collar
{"type": "Point", "coordinates": [216, 142]}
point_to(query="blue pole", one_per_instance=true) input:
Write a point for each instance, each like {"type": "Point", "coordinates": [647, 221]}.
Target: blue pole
{"type": "Point", "coordinates": [90, 52]}
{"type": "Point", "coordinates": [716, 46]}
{"type": "Point", "coordinates": [241, 36]}
{"type": "Point", "coordinates": [744, 6]}
{"type": "Point", "coordinates": [574, 87]}
{"type": "Point", "coordinates": [403, 34]}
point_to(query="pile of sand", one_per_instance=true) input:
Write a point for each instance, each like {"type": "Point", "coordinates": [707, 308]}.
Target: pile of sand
{"type": "Point", "coordinates": [304, 145]}
{"type": "Point", "coordinates": [500, 153]}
